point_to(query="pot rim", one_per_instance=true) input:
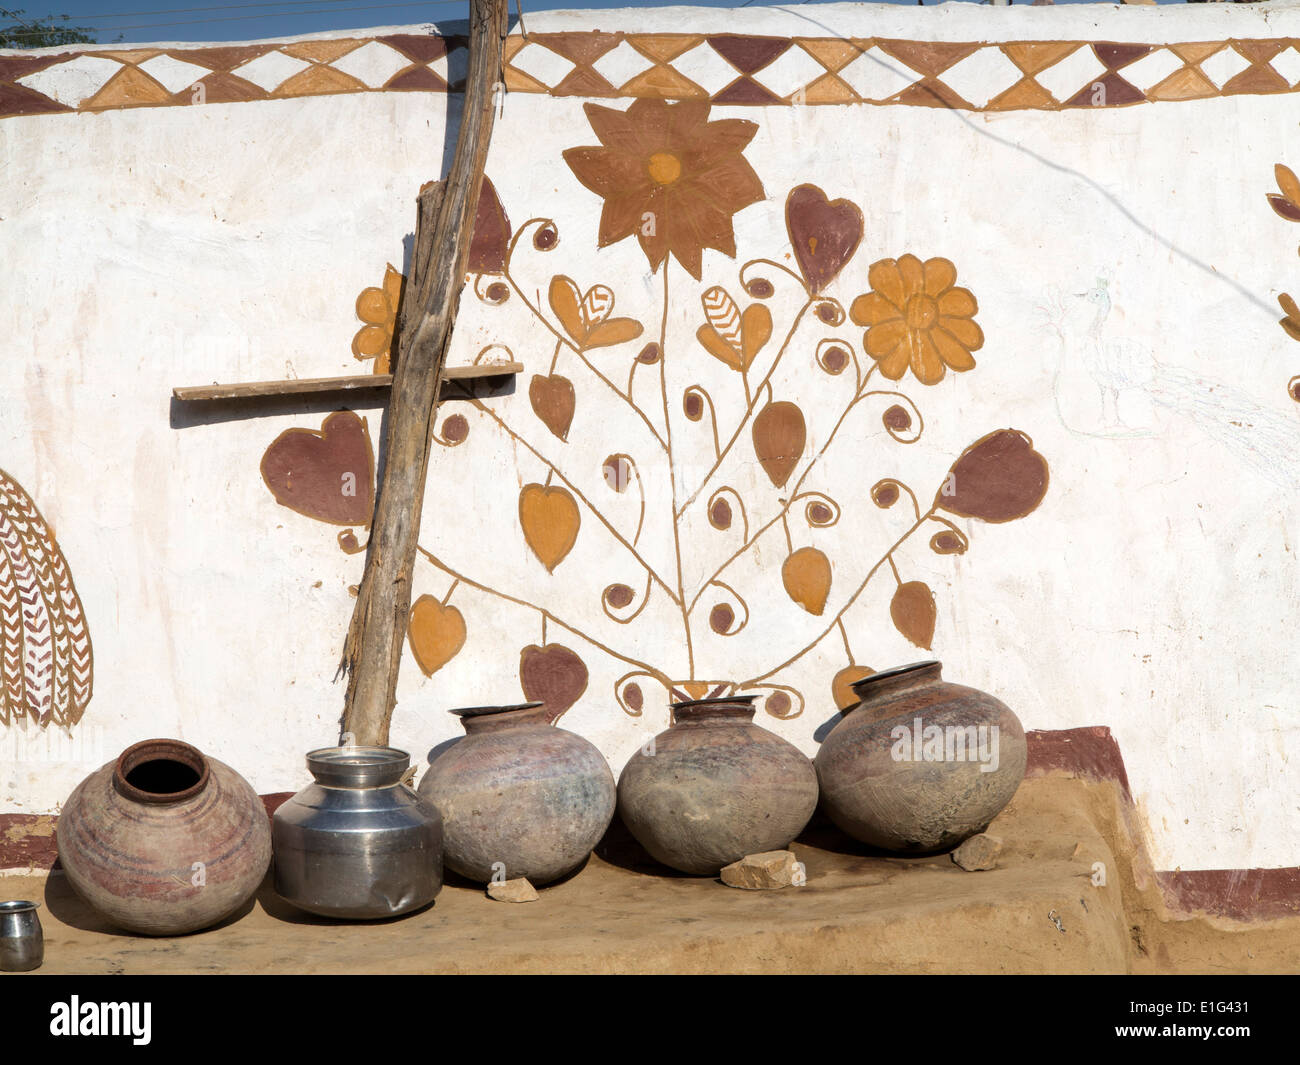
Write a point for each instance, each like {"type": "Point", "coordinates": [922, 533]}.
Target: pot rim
{"type": "Point", "coordinates": [18, 906]}
{"type": "Point", "coordinates": [358, 767]}
{"type": "Point", "coordinates": [866, 683]}
{"type": "Point", "coordinates": [358, 756]}
{"type": "Point", "coordinates": [160, 750]}
{"type": "Point", "coordinates": [715, 700]}
{"type": "Point", "coordinates": [484, 711]}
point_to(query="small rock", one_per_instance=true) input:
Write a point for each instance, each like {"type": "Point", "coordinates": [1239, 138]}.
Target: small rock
{"type": "Point", "coordinates": [519, 890]}
{"type": "Point", "coordinates": [978, 853]}
{"type": "Point", "coordinates": [761, 872]}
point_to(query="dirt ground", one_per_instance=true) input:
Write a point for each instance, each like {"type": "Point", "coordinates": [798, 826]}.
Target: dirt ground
{"type": "Point", "coordinates": [1038, 912]}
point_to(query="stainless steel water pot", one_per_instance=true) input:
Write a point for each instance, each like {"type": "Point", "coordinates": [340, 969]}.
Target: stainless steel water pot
{"type": "Point", "coordinates": [357, 843]}
{"type": "Point", "coordinates": [22, 944]}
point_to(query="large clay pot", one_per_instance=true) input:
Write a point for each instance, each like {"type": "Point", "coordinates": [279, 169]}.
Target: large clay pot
{"type": "Point", "coordinates": [357, 843]}
{"type": "Point", "coordinates": [920, 764]}
{"type": "Point", "coordinates": [715, 787]}
{"type": "Point", "coordinates": [165, 840]}
{"type": "Point", "coordinates": [518, 796]}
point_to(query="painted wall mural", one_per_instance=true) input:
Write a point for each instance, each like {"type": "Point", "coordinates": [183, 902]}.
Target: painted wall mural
{"type": "Point", "coordinates": [1286, 202]}
{"type": "Point", "coordinates": [710, 492]}
{"type": "Point", "coordinates": [46, 660]}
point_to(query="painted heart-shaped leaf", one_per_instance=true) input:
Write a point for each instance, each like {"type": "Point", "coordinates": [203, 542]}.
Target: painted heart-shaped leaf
{"type": "Point", "coordinates": [553, 402]}
{"type": "Point", "coordinates": [806, 575]}
{"type": "Point", "coordinates": [823, 233]}
{"type": "Point", "coordinates": [552, 674]}
{"type": "Point", "coordinates": [998, 478]}
{"type": "Point", "coordinates": [586, 318]}
{"type": "Point", "coordinates": [328, 474]}
{"type": "Point", "coordinates": [435, 632]}
{"type": "Point", "coordinates": [842, 685]}
{"type": "Point", "coordinates": [491, 241]}
{"type": "Point", "coordinates": [550, 519]}
{"type": "Point", "coordinates": [914, 612]}
{"type": "Point", "coordinates": [779, 436]}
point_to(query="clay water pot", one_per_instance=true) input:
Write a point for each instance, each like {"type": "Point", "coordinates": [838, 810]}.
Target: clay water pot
{"type": "Point", "coordinates": [164, 840]}
{"type": "Point", "coordinates": [518, 796]}
{"type": "Point", "coordinates": [920, 764]}
{"type": "Point", "coordinates": [715, 787]}
{"type": "Point", "coordinates": [357, 843]}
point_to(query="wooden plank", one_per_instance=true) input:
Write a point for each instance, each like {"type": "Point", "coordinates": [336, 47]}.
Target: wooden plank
{"type": "Point", "coordinates": [297, 386]}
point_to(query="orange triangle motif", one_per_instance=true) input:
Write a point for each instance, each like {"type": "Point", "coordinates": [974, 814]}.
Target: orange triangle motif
{"type": "Point", "coordinates": [664, 83]}
{"type": "Point", "coordinates": [321, 51]}
{"type": "Point", "coordinates": [136, 55]}
{"type": "Point", "coordinates": [828, 89]}
{"type": "Point", "coordinates": [1024, 95]}
{"type": "Point", "coordinates": [518, 81]}
{"type": "Point", "coordinates": [1196, 51]}
{"type": "Point", "coordinates": [1033, 56]}
{"type": "Point", "coordinates": [831, 52]}
{"type": "Point", "coordinates": [129, 88]}
{"type": "Point", "coordinates": [319, 81]}
{"type": "Point", "coordinates": [1186, 84]}
{"type": "Point", "coordinates": [661, 47]}
{"type": "Point", "coordinates": [929, 57]}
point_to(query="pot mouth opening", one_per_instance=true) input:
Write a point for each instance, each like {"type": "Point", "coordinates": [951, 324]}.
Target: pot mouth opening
{"type": "Point", "coordinates": [18, 906]}
{"type": "Point", "coordinates": [866, 684]}
{"type": "Point", "coordinates": [484, 711]}
{"type": "Point", "coordinates": [361, 757]}
{"type": "Point", "coordinates": [161, 771]}
{"type": "Point", "coordinates": [717, 700]}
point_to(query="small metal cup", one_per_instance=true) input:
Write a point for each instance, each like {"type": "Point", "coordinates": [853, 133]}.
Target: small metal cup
{"type": "Point", "coordinates": [22, 945]}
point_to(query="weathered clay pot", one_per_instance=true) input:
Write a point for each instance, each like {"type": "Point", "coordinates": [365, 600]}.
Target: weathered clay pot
{"type": "Point", "coordinates": [518, 796]}
{"type": "Point", "coordinates": [164, 840]}
{"type": "Point", "coordinates": [715, 787]}
{"type": "Point", "coordinates": [920, 764]}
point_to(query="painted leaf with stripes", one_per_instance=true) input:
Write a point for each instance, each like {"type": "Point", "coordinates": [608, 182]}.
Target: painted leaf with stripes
{"type": "Point", "coordinates": [46, 662]}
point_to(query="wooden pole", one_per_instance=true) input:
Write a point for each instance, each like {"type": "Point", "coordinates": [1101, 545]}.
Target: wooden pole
{"type": "Point", "coordinates": [374, 645]}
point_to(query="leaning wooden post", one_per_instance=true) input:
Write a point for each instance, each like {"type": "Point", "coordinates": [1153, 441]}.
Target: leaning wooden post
{"type": "Point", "coordinates": [374, 644]}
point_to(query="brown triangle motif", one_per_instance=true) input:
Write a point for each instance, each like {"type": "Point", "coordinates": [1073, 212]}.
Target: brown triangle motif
{"type": "Point", "coordinates": [746, 91]}
{"type": "Point", "coordinates": [1255, 81]}
{"type": "Point", "coordinates": [932, 93]}
{"type": "Point", "coordinates": [14, 67]}
{"type": "Point", "coordinates": [20, 100]}
{"type": "Point", "coordinates": [416, 46]}
{"type": "Point", "coordinates": [416, 79]}
{"type": "Point", "coordinates": [581, 48]}
{"type": "Point", "coordinates": [928, 57]}
{"type": "Point", "coordinates": [222, 87]}
{"type": "Point", "coordinates": [1259, 51]}
{"type": "Point", "coordinates": [1115, 92]}
{"type": "Point", "coordinates": [220, 58]}
{"type": "Point", "coordinates": [1114, 56]}
{"type": "Point", "coordinates": [748, 54]}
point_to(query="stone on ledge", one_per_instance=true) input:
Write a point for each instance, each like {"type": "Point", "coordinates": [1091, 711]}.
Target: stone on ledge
{"type": "Point", "coordinates": [519, 890]}
{"type": "Point", "coordinates": [761, 872]}
{"type": "Point", "coordinates": [978, 853]}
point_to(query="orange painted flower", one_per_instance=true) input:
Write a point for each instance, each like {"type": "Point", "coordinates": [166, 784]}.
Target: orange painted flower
{"type": "Point", "coordinates": [377, 307]}
{"type": "Point", "coordinates": [915, 316]}
{"type": "Point", "coordinates": [668, 176]}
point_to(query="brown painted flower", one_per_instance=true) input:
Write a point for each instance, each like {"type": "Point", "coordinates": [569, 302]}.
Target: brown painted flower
{"type": "Point", "coordinates": [916, 316]}
{"type": "Point", "coordinates": [377, 307]}
{"type": "Point", "coordinates": [669, 176]}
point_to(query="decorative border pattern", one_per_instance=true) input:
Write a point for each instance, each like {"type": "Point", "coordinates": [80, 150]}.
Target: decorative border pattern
{"type": "Point", "coordinates": [725, 69]}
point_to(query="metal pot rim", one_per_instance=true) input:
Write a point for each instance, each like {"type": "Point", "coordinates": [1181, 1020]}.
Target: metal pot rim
{"type": "Point", "coordinates": [18, 906]}
{"type": "Point", "coordinates": [716, 700]}
{"type": "Point", "coordinates": [358, 756]}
